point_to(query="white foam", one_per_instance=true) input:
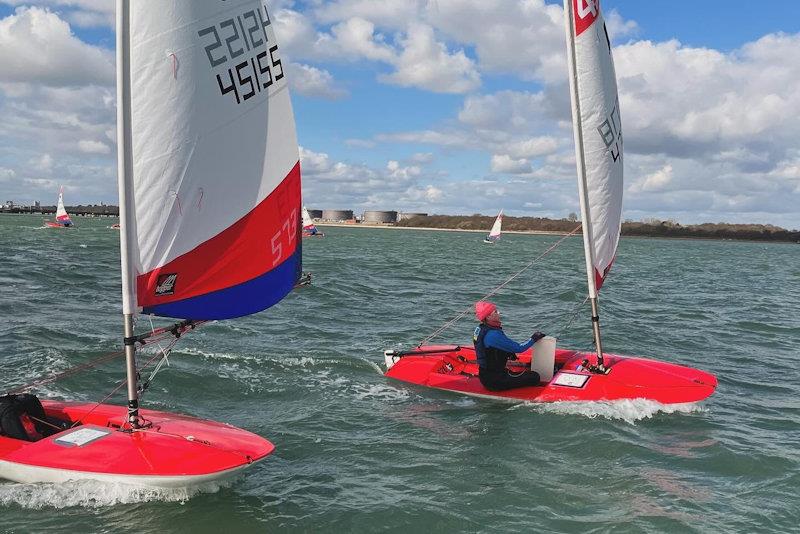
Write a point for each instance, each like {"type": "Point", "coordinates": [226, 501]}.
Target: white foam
{"type": "Point", "coordinates": [628, 410]}
{"type": "Point", "coordinates": [380, 392]}
{"type": "Point", "coordinates": [94, 494]}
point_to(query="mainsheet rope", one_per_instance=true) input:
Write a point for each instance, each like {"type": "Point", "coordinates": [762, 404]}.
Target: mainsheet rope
{"type": "Point", "coordinates": [494, 291]}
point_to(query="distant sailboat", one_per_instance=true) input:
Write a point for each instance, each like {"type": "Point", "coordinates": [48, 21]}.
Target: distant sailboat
{"type": "Point", "coordinates": [579, 376]}
{"type": "Point", "coordinates": [309, 228]}
{"type": "Point", "coordinates": [494, 233]}
{"type": "Point", "coordinates": [209, 185]}
{"type": "Point", "coordinates": [62, 217]}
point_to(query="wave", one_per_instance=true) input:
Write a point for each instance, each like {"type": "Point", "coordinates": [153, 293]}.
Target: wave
{"type": "Point", "coordinates": [96, 494]}
{"type": "Point", "coordinates": [628, 410]}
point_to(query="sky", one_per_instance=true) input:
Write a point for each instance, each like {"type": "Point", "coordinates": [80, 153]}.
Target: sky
{"type": "Point", "coordinates": [451, 106]}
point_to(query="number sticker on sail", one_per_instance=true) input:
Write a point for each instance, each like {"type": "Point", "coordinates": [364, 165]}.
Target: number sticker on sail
{"type": "Point", "coordinates": [242, 44]}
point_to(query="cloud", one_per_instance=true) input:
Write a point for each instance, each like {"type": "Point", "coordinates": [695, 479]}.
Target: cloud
{"type": "Point", "coordinates": [311, 81]}
{"type": "Point", "coordinates": [36, 46]}
{"type": "Point", "coordinates": [427, 63]}
{"type": "Point", "coordinates": [88, 146]}
{"type": "Point", "coordinates": [656, 181]}
{"type": "Point", "coordinates": [503, 163]}
{"type": "Point", "coordinates": [6, 175]}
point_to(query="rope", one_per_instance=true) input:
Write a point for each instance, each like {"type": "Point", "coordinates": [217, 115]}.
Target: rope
{"type": "Point", "coordinates": [122, 383]}
{"type": "Point", "coordinates": [69, 372]}
{"type": "Point", "coordinates": [572, 317]}
{"type": "Point", "coordinates": [494, 291]}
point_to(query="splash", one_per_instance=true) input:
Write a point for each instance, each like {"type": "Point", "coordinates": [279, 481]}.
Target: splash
{"type": "Point", "coordinates": [95, 494]}
{"type": "Point", "coordinates": [628, 410]}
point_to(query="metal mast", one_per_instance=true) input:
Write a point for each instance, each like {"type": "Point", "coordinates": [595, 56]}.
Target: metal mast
{"type": "Point", "coordinates": [126, 202]}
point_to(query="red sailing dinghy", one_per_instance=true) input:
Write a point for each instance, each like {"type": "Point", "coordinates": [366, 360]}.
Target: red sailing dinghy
{"type": "Point", "coordinates": [62, 217]}
{"type": "Point", "coordinates": [209, 181]}
{"type": "Point", "coordinates": [598, 148]}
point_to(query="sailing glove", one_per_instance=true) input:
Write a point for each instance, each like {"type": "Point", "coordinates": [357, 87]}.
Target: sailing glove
{"type": "Point", "coordinates": [537, 336]}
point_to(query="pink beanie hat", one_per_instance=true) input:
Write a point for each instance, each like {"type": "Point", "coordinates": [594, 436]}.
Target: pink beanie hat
{"type": "Point", "coordinates": [484, 309]}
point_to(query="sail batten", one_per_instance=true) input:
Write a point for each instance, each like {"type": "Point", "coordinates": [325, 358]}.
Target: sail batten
{"type": "Point", "coordinates": [214, 179]}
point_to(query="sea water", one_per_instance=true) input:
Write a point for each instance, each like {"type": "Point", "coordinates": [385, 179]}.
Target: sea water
{"type": "Point", "coordinates": [358, 452]}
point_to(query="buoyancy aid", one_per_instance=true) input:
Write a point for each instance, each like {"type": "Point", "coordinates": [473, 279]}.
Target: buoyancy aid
{"type": "Point", "coordinates": [490, 359]}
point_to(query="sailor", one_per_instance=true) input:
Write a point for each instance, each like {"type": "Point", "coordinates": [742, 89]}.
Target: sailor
{"type": "Point", "coordinates": [493, 349]}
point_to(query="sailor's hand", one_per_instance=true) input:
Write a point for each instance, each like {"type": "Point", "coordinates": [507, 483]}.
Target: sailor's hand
{"type": "Point", "coordinates": [537, 336]}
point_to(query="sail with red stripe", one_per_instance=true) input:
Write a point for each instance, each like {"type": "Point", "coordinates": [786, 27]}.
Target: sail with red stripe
{"type": "Point", "coordinates": [62, 217]}
{"type": "Point", "coordinates": [214, 194]}
{"type": "Point", "coordinates": [598, 135]}
{"type": "Point", "coordinates": [309, 228]}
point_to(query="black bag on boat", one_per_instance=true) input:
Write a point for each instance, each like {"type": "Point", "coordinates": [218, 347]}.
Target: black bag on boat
{"type": "Point", "coordinates": [13, 408]}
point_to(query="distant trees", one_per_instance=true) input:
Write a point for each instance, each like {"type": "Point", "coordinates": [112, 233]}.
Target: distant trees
{"type": "Point", "coordinates": [648, 228]}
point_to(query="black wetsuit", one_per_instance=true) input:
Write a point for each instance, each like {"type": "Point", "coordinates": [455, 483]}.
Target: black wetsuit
{"type": "Point", "coordinates": [493, 356]}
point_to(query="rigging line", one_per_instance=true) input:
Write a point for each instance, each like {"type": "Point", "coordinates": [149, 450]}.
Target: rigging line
{"type": "Point", "coordinates": [572, 317]}
{"type": "Point", "coordinates": [494, 291]}
{"type": "Point", "coordinates": [119, 385]}
{"type": "Point", "coordinates": [68, 372]}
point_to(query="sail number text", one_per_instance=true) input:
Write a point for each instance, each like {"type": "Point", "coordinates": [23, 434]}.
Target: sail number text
{"type": "Point", "coordinates": [286, 235]}
{"type": "Point", "coordinates": [240, 44]}
{"type": "Point", "coordinates": [611, 132]}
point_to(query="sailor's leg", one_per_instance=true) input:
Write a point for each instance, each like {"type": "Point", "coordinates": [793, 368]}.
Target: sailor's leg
{"type": "Point", "coordinates": [502, 381]}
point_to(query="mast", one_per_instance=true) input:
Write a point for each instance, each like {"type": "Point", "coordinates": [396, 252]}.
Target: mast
{"type": "Point", "coordinates": [125, 180]}
{"type": "Point", "coordinates": [569, 20]}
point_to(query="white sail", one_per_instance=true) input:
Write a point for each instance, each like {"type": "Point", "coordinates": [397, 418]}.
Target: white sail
{"type": "Point", "coordinates": [494, 233]}
{"type": "Point", "coordinates": [61, 212]}
{"type": "Point", "coordinates": [214, 162]}
{"type": "Point", "coordinates": [308, 222]}
{"type": "Point", "coordinates": [598, 135]}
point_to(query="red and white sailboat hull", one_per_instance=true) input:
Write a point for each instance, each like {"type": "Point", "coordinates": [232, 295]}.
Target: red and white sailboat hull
{"type": "Point", "coordinates": [171, 451]}
{"type": "Point", "coordinates": [454, 368]}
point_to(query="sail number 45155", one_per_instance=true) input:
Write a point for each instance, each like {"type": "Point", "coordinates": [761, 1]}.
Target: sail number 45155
{"type": "Point", "coordinates": [242, 44]}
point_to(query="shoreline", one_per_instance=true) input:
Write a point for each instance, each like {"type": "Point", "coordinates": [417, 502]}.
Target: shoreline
{"type": "Point", "coordinates": [392, 227]}
{"type": "Point", "coordinates": [546, 232]}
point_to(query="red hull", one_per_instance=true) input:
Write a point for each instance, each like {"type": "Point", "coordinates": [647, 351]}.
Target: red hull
{"type": "Point", "coordinates": [173, 451]}
{"type": "Point", "coordinates": [454, 369]}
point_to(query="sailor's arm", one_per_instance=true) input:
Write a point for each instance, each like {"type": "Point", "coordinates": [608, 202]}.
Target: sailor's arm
{"type": "Point", "coordinates": [498, 340]}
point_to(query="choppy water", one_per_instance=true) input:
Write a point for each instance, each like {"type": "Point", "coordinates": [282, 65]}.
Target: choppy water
{"type": "Point", "coordinates": [357, 452]}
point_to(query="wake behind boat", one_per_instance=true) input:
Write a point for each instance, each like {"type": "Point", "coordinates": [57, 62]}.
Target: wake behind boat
{"type": "Point", "coordinates": [209, 212]}
{"type": "Point", "coordinates": [598, 147]}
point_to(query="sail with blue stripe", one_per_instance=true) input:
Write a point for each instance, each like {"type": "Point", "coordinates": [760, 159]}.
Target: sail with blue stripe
{"type": "Point", "coordinates": [215, 185]}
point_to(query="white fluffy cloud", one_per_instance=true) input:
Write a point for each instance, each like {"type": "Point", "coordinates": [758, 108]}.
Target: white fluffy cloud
{"type": "Point", "coordinates": [37, 46]}
{"type": "Point", "coordinates": [503, 163]}
{"type": "Point", "coordinates": [311, 81]}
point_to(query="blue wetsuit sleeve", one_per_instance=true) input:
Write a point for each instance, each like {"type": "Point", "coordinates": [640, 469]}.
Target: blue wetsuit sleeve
{"type": "Point", "coordinates": [498, 340]}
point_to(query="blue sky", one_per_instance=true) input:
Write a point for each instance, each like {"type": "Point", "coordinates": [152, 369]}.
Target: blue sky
{"type": "Point", "coordinates": [452, 106]}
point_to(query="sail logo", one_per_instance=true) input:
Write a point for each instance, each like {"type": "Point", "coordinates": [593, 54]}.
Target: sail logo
{"type": "Point", "coordinates": [166, 284]}
{"type": "Point", "coordinates": [586, 12]}
{"type": "Point", "coordinates": [588, 7]}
